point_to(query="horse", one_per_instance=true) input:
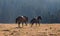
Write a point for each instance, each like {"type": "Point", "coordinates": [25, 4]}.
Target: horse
{"type": "Point", "coordinates": [36, 20]}
{"type": "Point", "coordinates": [21, 19]}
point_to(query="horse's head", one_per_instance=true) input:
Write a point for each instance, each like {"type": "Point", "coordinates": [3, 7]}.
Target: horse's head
{"type": "Point", "coordinates": [39, 17]}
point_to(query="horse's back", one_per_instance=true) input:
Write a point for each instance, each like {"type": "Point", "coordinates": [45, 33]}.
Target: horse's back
{"type": "Point", "coordinates": [22, 19]}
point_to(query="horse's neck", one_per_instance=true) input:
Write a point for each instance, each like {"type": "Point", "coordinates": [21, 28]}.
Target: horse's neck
{"type": "Point", "coordinates": [35, 17]}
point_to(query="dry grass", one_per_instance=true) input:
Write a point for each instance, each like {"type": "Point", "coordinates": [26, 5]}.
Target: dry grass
{"type": "Point", "coordinates": [42, 30]}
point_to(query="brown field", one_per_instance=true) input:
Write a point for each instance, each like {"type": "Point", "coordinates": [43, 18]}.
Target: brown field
{"type": "Point", "coordinates": [42, 30]}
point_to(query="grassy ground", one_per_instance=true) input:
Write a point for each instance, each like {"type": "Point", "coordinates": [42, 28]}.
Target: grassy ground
{"type": "Point", "coordinates": [42, 30]}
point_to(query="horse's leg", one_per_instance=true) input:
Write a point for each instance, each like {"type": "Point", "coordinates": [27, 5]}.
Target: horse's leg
{"type": "Point", "coordinates": [36, 24]}
{"type": "Point", "coordinates": [22, 24]}
{"type": "Point", "coordinates": [26, 23]}
{"type": "Point", "coordinates": [18, 24]}
{"type": "Point", "coordinates": [39, 23]}
{"type": "Point", "coordinates": [32, 24]}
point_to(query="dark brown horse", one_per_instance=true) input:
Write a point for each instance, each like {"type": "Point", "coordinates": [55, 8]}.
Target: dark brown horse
{"type": "Point", "coordinates": [21, 19]}
{"type": "Point", "coordinates": [36, 20]}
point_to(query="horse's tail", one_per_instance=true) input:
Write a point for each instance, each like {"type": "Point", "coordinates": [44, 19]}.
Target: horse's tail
{"type": "Point", "coordinates": [16, 20]}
